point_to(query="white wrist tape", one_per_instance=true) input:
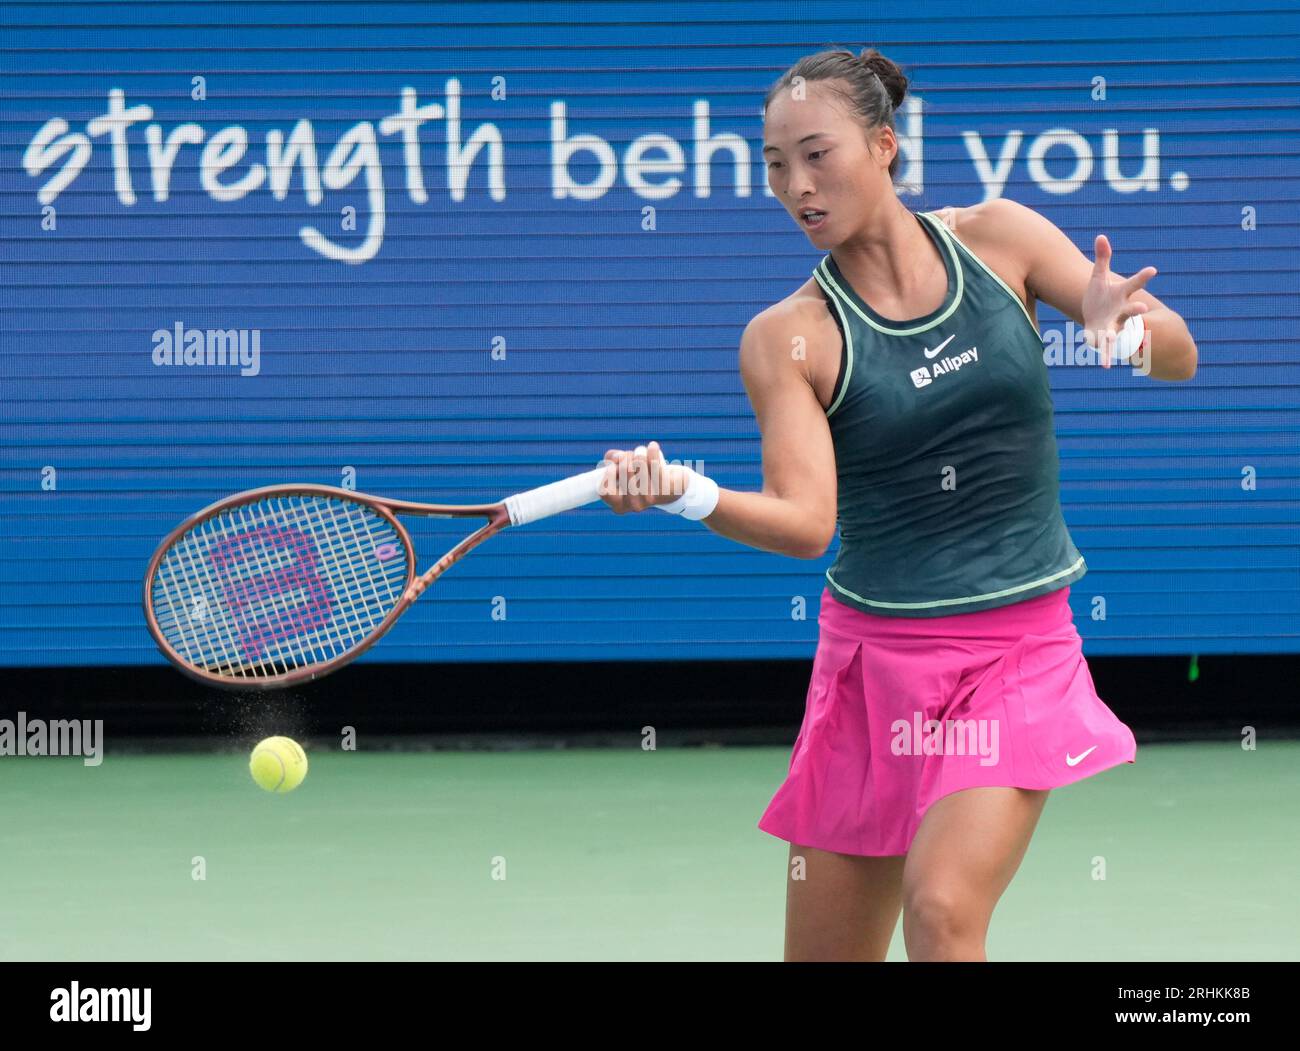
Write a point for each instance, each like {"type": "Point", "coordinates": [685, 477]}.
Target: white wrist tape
{"type": "Point", "coordinates": [699, 499]}
{"type": "Point", "coordinates": [1129, 340]}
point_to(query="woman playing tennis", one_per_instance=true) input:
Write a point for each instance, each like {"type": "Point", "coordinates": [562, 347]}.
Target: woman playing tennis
{"type": "Point", "coordinates": [902, 392]}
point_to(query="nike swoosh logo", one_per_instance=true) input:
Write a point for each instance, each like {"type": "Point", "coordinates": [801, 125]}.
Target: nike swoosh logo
{"type": "Point", "coordinates": [931, 353]}
{"type": "Point", "coordinates": [1076, 760]}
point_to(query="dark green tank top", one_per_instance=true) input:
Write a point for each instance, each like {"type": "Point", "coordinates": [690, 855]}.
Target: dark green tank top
{"type": "Point", "coordinates": [949, 491]}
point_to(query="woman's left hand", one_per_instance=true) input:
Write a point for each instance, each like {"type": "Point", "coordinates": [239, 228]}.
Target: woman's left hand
{"type": "Point", "coordinates": [1108, 301]}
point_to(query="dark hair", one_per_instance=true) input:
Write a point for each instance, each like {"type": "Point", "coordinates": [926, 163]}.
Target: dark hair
{"type": "Point", "coordinates": [871, 85]}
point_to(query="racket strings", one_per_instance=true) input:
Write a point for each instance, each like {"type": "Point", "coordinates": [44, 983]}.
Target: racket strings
{"type": "Point", "coordinates": [282, 583]}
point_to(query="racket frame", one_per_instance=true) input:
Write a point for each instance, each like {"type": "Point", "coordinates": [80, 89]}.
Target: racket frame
{"type": "Point", "coordinates": [497, 515]}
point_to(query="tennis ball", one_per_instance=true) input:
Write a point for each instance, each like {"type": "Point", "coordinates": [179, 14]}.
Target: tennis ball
{"type": "Point", "coordinates": [278, 764]}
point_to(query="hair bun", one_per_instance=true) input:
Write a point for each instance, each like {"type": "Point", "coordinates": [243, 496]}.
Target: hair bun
{"type": "Point", "coordinates": [894, 80]}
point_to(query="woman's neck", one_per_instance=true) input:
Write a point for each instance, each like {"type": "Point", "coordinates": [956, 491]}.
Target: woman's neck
{"type": "Point", "coordinates": [894, 259]}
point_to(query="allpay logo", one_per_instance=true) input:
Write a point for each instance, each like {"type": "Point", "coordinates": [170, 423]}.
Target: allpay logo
{"type": "Point", "coordinates": [923, 376]}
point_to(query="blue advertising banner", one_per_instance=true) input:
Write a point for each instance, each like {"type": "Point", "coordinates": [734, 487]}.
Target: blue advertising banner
{"type": "Point", "coordinates": [448, 251]}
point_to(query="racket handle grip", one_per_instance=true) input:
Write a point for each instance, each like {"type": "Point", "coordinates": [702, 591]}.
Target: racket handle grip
{"type": "Point", "coordinates": [547, 500]}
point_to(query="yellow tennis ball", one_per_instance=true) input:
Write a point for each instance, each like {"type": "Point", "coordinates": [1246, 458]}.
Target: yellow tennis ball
{"type": "Point", "coordinates": [278, 764]}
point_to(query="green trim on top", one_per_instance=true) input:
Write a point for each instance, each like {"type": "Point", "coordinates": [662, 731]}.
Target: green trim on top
{"type": "Point", "coordinates": [951, 234]}
{"type": "Point", "coordinates": [955, 601]}
{"type": "Point", "coordinates": [848, 343]}
{"type": "Point", "coordinates": [848, 295]}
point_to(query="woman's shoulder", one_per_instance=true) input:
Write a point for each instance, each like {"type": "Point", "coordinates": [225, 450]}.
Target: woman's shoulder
{"type": "Point", "coordinates": [799, 330]}
{"type": "Point", "coordinates": [996, 223]}
{"type": "Point", "coordinates": [804, 306]}
{"type": "Point", "coordinates": [998, 232]}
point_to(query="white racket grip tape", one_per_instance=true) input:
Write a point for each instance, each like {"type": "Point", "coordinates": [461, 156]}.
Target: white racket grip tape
{"type": "Point", "coordinates": [547, 500]}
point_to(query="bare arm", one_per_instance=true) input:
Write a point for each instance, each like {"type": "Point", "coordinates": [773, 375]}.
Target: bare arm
{"type": "Point", "coordinates": [1060, 275]}
{"type": "Point", "coordinates": [795, 512]}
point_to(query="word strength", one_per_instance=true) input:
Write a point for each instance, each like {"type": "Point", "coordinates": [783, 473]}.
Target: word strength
{"type": "Point", "coordinates": [23, 736]}
{"type": "Point", "coordinates": [76, 1004]}
{"type": "Point", "coordinates": [228, 164]}
{"type": "Point", "coordinates": [227, 173]}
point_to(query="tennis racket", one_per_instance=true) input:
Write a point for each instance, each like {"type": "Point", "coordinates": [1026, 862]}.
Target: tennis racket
{"type": "Point", "coordinates": [284, 584]}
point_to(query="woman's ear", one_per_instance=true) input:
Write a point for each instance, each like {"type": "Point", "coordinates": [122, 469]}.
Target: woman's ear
{"type": "Point", "coordinates": [885, 145]}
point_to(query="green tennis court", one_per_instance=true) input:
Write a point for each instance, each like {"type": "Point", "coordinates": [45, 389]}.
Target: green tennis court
{"type": "Point", "coordinates": [595, 854]}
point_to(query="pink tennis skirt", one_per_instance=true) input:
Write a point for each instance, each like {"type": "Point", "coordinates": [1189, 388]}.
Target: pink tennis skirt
{"type": "Point", "coordinates": [902, 711]}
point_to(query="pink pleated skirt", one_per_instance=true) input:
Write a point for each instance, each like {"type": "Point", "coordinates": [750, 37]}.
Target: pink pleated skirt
{"type": "Point", "coordinates": [902, 711]}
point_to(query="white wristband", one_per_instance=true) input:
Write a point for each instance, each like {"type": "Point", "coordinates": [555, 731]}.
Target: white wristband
{"type": "Point", "coordinates": [1129, 340]}
{"type": "Point", "coordinates": [699, 499]}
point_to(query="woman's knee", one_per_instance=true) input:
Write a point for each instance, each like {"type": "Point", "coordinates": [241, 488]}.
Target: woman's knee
{"type": "Point", "coordinates": [940, 911]}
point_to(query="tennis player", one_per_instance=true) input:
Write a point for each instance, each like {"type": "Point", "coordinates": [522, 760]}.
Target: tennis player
{"type": "Point", "coordinates": [902, 391]}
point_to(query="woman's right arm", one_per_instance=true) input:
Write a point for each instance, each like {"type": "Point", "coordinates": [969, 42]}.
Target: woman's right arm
{"type": "Point", "coordinates": [794, 514]}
